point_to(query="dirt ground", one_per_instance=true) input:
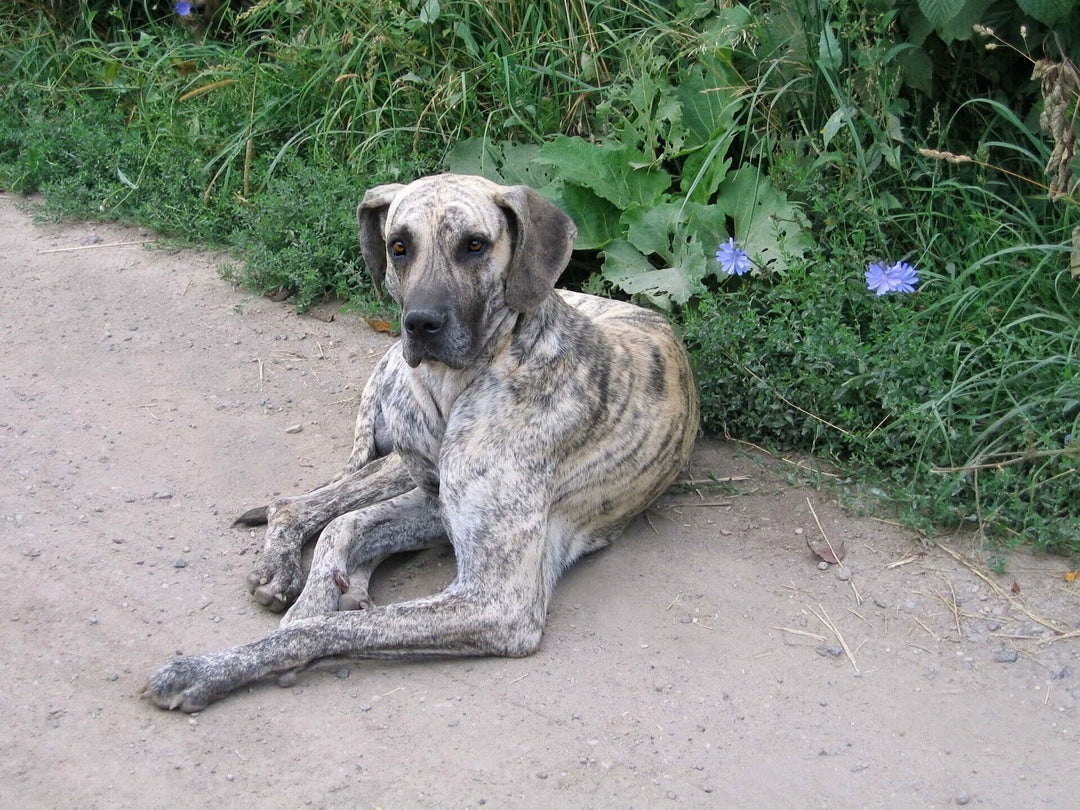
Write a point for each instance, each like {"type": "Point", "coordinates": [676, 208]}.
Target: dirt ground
{"type": "Point", "coordinates": [703, 661]}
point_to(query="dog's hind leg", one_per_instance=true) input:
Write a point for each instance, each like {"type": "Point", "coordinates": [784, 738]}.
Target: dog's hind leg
{"type": "Point", "coordinates": [352, 546]}
{"type": "Point", "coordinates": [277, 578]}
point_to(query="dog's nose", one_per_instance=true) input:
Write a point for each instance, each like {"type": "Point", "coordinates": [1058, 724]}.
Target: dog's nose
{"type": "Point", "coordinates": [424, 323]}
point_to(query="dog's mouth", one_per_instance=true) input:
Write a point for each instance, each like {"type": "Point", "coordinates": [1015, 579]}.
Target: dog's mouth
{"type": "Point", "coordinates": [429, 350]}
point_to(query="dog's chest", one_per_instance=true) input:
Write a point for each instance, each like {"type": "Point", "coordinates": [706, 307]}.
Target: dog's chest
{"type": "Point", "coordinates": [417, 411]}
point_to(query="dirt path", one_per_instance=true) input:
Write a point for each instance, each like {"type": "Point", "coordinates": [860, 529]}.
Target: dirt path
{"type": "Point", "coordinates": [145, 403]}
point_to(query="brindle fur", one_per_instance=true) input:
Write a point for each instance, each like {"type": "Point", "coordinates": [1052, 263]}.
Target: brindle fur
{"type": "Point", "coordinates": [524, 426]}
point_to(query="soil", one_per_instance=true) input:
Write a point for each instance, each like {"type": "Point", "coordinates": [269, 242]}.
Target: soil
{"type": "Point", "coordinates": [705, 660]}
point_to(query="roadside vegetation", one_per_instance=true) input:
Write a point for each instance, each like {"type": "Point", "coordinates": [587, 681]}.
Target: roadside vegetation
{"type": "Point", "coordinates": [863, 215]}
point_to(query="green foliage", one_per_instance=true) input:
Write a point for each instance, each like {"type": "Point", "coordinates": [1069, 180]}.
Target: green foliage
{"type": "Point", "coordinates": [657, 192]}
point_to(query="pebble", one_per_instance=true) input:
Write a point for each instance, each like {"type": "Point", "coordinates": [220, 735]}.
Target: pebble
{"type": "Point", "coordinates": [822, 566]}
{"type": "Point", "coordinates": [161, 496]}
{"type": "Point", "coordinates": [1006, 656]}
{"type": "Point", "coordinates": [180, 563]}
{"type": "Point", "coordinates": [342, 673]}
{"type": "Point", "coordinates": [294, 429]}
{"type": "Point", "coordinates": [844, 574]}
{"type": "Point", "coordinates": [963, 797]}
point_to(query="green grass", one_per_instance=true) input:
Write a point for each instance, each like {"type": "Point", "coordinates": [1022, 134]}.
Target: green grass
{"type": "Point", "coordinates": [818, 135]}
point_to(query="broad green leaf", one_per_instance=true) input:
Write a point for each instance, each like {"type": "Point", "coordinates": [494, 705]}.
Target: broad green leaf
{"type": "Point", "coordinates": [607, 170]}
{"type": "Point", "coordinates": [708, 110]}
{"type": "Point", "coordinates": [833, 125]}
{"type": "Point", "coordinates": [429, 11]}
{"type": "Point", "coordinates": [499, 161]}
{"type": "Point", "coordinates": [628, 269]}
{"type": "Point", "coordinates": [475, 156]}
{"type": "Point", "coordinates": [597, 220]}
{"type": "Point", "coordinates": [939, 12]}
{"type": "Point", "coordinates": [959, 27]}
{"type": "Point", "coordinates": [767, 225]}
{"type": "Point", "coordinates": [650, 230]}
{"type": "Point", "coordinates": [1048, 12]}
{"type": "Point", "coordinates": [830, 54]}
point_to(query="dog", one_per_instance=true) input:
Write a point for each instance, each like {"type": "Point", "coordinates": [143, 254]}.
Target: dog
{"type": "Point", "coordinates": [523, 425]}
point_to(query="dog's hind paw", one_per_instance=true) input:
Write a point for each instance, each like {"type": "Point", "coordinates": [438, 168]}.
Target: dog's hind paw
{"type": "Point", "coordinates": [276, 582]}
{"type": "Point", "coordinates": [182, 684]}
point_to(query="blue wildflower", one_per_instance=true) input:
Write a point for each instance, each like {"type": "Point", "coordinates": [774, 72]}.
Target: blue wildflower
{"type": "Point", "coordinates": [900, 277]}
{"type": "Point", "coordinates": [733, 260]}
{"type": "Point", "coordinates": [183, 9]}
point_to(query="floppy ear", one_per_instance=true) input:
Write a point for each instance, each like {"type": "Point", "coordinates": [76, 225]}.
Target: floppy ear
{"type": "Point", "coordinates": [543, 237]}
{"type": "Point", "coordinates": [371, 217]}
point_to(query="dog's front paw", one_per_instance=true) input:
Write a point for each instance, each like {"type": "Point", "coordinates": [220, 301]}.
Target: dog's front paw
{"type": "Point", "coordinates": [184, 684]}
{"type": "Point", "coordinates": [276, 581]}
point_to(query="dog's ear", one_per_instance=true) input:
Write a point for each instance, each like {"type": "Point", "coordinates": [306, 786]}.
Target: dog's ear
{"type": "Point", "coordinates": [543, 237]}
{"type": "Point", "coordinates": [371, 217]}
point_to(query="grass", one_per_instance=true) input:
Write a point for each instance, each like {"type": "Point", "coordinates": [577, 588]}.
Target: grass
{"type": "Point", "coordinates": [819, 133]}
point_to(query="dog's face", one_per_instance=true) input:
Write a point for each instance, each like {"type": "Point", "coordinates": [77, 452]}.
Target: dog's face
{"type": "Point", "coordinates": [461, 255]}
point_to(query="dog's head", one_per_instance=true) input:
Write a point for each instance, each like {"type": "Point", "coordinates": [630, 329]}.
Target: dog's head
{"type": "Point", "coordinates": [461, 254]}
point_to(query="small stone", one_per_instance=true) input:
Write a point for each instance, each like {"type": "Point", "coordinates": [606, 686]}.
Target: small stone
{"type": "Point", "coordinates": [180, 563]}
{"type": "Point", "coordinates": [834, 650]}
{"type": "Point", "coordinates": [993, 625]}
{"type": "Point", "coordinates": [963, 797]}
{"type": "Point", "coordinates": [161, 496]}
{"type": "Point", "coordinates": [365, 707]}
{"type": "Point", "coordinates": [342, 673]}
{"type": "Point", "coordinates": [1006, 656]}
{"type": "Point", "coordinates": [844, 574]}
{"type": "Point", "coordinates": [294, 429]}
{"type": "Point", "coordinates": [822, 566]}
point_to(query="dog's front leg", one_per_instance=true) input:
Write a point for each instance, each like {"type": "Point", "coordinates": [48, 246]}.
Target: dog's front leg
{"type": "Point", "coordinates": [459, 621]}
{"type": "Point", "coordinates": [277, 578]}
{"type": "Point", "coordinates": [351, 546]}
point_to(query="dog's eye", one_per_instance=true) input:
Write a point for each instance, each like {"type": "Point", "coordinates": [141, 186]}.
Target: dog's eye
{"type": "Point", "coordinates": [475, 245]}
{"type": "Point", "coordinates": [397, 248]}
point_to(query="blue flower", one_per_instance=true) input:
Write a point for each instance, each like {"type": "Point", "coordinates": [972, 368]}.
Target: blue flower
{"type": "Point", "coordinates": [183, 9]}
{"type": "Point", "coordinates": [900, 277]}
{"type": "Point", "coordinates": [733, 260]}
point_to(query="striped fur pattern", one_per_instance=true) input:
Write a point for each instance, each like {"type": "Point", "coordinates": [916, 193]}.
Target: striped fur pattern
{"type": "Point", "coordinates": [524, 426]}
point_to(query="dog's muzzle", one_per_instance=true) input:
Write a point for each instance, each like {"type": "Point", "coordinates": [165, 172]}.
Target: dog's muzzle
{"type": "Point", "coordinates": [424, 328]}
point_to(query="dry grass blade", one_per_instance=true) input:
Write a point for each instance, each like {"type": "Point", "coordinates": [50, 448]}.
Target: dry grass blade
{"type": "Point", "coordinates": [794, 632]}
{"type": "Point", "coordinates": [835, 553]}
{"type": "Point", "coordinates": [1003, 593]}
{"type": "Point", "coordinates": [97, 246]}
{"type": "Point", "coordinates": [824, 618]}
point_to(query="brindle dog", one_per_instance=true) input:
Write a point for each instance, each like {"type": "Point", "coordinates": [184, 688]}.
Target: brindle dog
{"type": "Point", "coordinates": [524, 426]}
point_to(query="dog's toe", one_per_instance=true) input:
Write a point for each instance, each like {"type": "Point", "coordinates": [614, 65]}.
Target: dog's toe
{"type": "Point", "coordinates": [354, 599]}
{"type": "Point", "coordinates": [276, 582]}
{"type": "Point", "coordinates": [271, 598]}
{"type": "Point", "coordinates": [178, 685]}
